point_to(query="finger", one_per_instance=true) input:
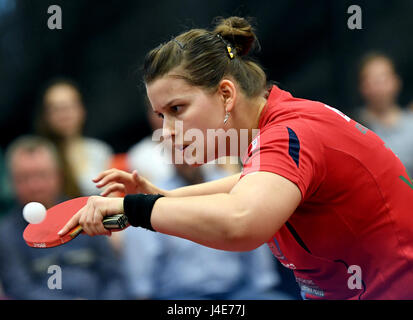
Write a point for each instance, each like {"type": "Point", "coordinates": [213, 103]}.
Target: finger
{"type": "Point", "coordinates": [73, 222]}
{"type": "Point", "coordinates": [112, 177]}
{"type": "Point", "coordinates": [82, 224]}
{"type": "Point", "coordinates": [86, 219]}
{"type": "Point", "coordinates": [93, 219]}
{"type": "Point", "coordinates": [98, 225]}
{"type": "Point", "coordinates": [107, 186]}
{"type": "Point", "coordinates": [137, 179]}
{"type": "Point", "coordinates": [116, 187]}
{"type": "Point", "coordinates": [101, 175]}
{"type": "Point", "coordinates": [135, 176]}
{"type": "Point", "coordinates": [87, 222]}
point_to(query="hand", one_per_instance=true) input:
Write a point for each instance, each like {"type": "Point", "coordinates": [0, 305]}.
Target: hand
{"type": "Point", "coordinates": [91, 215]}
{"type": "Point", "coordinates": [127, 183]}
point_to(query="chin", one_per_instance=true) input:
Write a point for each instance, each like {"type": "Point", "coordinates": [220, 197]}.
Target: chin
{"type": "Point", "coordinates": [197, 161]}
{"type": "Point", "coordinates": [192, 162]}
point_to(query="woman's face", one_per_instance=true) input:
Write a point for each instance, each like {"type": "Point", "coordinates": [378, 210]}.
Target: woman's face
{"type": "Point", "coordinates": [64, 111]}
{"type": "Point", "coordinates": [188, 112]}
{"type": "Point", "coordinates": [379, 84]}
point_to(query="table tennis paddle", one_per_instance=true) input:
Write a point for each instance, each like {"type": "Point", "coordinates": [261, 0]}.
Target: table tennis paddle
{"type": "Point", "coordinates": [44, 234]}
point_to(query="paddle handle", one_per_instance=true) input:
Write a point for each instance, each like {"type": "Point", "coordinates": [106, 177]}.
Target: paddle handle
{"type": "Point", "coordinates": [117, 221]}
{"type": "Point", "coordinates": [75, 232]}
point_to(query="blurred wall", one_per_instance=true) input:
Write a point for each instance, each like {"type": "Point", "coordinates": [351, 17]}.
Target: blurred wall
{"type": "Point", "coordinates": [306, 47]}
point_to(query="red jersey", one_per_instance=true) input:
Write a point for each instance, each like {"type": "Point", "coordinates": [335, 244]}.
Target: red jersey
{"type": "Point", "coordinates": [351, 237]}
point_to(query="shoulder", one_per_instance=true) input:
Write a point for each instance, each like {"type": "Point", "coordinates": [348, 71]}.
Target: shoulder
{"type": "Point", "coordinates": [291, 149]}
{"type": "Point", "coordinates": [296, 114]}
{"type": "Point", "coordinates": [6, 222]}
{"type": "Point", "coordinates": [407, 115]}
{"type": "Point", "coordinates": [294, 137]}
{"type": "Point", "coordinates": [144, 143]}
{"type": "Point", "coordinates": [288, 128]}
{"type": "Point", "coordinates": [11, 225]}
{"type": "Point", "coordinates": [12, 216]}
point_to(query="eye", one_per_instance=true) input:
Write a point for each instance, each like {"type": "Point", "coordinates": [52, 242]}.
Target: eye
{"type": "Point", "coordinates": [160, 115]}
{"type": "Point", "coordinates": [176, 109]}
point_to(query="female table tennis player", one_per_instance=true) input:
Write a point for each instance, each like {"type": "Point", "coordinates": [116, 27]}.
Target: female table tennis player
{"type": "Point", "coordinates": [327, 195]}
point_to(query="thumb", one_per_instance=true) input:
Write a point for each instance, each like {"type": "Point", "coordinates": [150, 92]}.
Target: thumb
{"type": "Point", "coordinates": [135, 176]}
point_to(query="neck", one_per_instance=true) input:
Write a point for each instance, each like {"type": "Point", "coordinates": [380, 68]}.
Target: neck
{"type": "Point", "coordinates": [73, 139]}
{"type": "Point", "coordinates": [387, 115]}
{"type": "Point", "coordinates": [247, 117]}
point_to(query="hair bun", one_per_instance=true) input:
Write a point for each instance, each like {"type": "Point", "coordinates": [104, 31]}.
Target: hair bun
{"type": "Point", "coordinates": [238, 32]}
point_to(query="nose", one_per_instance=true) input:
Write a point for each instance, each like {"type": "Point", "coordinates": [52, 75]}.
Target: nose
{"type": "Point", "coordinates": [168, 128]}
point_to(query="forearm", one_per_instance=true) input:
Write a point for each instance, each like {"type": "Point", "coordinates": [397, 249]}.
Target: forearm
{"type": "Point", "coordinates": [241, 220]}
{"type": "Point", "coordinates": [218, 221]}
{"type": "Point", "coordinates": [223, 185]}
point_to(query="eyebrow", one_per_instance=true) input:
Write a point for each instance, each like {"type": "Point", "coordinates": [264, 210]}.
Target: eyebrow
{"type": "Point", "coordinates": [173, 101]}
{"type": "Point", "coordinates": [166, 105]}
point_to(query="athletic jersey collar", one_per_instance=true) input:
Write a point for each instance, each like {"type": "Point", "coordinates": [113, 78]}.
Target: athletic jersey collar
{"type": "Point", "coordinates": [275, 96]}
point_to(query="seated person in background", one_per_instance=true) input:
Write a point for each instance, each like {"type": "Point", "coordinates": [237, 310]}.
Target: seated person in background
{"type": "Point", "coordinates": [89, 268]}
{"type": "Point", "coordinates": [61, 120]}
{"type": "Point", "coordinates": [2, 294]}
{"type": "Point", "coordinates": [158, 266]}
{"type": "Point", "coordinates": [410, 106]}
{"type": "Point", "coordinates": [379, 87]}
{"type": "Point", "coordinates": [5, 192]}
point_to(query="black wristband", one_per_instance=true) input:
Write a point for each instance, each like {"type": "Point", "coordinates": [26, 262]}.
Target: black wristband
{"type": "Point", "coordinates": [138, 209]}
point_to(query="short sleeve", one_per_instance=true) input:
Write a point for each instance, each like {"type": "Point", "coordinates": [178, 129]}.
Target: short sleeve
{"type": "Point", "coordinates": [292, 151]}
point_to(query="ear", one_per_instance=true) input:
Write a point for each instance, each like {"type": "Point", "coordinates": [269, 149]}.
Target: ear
{"type": "Point", "coordinates": [228, 92]}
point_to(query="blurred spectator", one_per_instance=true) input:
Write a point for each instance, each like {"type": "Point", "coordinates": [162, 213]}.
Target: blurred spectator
{"type": "Point", "coordinates": [379, 87]}
{"type": "Point", "coordinates": [61, 120]}
{"type": "Point", "coordinates": [162, 267]}
{"type": "Point", "coordinates": [410, 106]}
{"type": "Point", "coordinates": [2, 294]}
{"type": "Point", "coordinates": [5, 191]}
{"type": "Point", "coordinates": [89, 268]}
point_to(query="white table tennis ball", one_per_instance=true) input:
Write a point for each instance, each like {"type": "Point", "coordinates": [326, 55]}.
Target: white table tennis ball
{"type": "Point", "coordinates": [34, 212]}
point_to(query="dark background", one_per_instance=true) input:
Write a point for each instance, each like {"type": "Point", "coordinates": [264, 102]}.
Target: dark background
{"type": "Point", "coordinates": [306, 47]}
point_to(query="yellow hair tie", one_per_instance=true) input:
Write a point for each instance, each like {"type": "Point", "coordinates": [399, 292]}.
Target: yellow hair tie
{"type": "Point", "coordinates": [229, 49]}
